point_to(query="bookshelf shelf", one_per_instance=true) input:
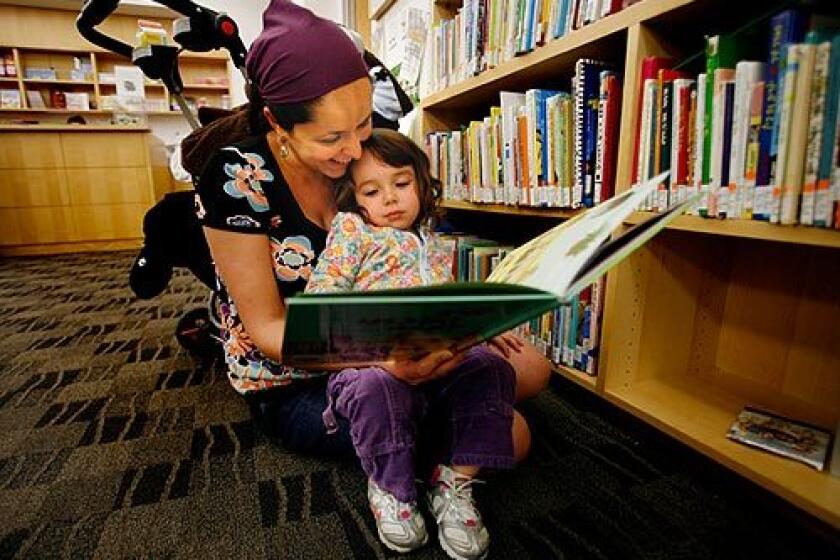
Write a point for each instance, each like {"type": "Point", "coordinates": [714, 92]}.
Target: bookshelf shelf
{"type": "Point", "coordinates": [58, 111]}
{"type": "Point", "coordinates": [700, 415]}
{"type": "Point", "coordinates": [799, 235]}
{"type": "Point", "coordinates": [582, 379]}
{"type": "Point", "coordinates": [512, 210]}
{"type": "Point", "coordinates": [58, 82]}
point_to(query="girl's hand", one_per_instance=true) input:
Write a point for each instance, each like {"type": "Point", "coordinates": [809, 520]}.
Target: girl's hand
{"type": "Point", "coordinates": [506, 343]}
{"type": "Point", "coordinates": [433, 366]}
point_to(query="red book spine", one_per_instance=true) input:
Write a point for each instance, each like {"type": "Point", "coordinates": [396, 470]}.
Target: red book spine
{"type": "Point", "coordinates": [611, 117]}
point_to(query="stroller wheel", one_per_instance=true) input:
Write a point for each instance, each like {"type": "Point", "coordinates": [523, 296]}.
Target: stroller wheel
{"type": "Point", "coordinates": [197, 334]}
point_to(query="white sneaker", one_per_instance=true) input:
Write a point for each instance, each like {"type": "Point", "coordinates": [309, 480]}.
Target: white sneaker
{"type": "Point", "coordinates": [400, 525]}
{"type": "Point", "coordinates": [461, 532]}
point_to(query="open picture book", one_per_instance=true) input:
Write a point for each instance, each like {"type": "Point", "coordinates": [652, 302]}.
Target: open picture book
{"type": "Point", "coordinates": [365, 328]}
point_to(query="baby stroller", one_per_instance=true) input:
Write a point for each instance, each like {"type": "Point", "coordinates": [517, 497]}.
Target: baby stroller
{"type": "Point", "coordinates": [172, 234]}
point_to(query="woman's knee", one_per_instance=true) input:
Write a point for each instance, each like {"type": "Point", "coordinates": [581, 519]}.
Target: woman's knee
{"type": "Point", "coordinates": [532, 368]}
{"type": "Point", "coordinates": [485, 371]}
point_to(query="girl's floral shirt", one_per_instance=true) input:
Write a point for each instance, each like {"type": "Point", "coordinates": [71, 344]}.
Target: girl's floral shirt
{"type": "Point", "coordinates": [242, 190]}
{"type": "Point", "coordinates": [360, 256]}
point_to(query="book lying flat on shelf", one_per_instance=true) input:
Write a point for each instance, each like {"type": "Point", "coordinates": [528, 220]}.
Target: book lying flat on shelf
{"type": "Point", "coordinates": [782, 436]}
{"type": "Point", "coordinates": [365, 328]}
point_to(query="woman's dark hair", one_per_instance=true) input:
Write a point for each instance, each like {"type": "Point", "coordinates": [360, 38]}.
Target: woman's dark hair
{"type": "Point", "coordinates": [287, 115]}
{"type": "Point", "coordinates": [394, 149]}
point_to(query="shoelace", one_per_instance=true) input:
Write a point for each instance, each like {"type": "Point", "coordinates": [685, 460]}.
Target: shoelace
{"type": "Point", "coordinates": [393, 505]}
{"type": "Point", "coordinates": [460, 493]}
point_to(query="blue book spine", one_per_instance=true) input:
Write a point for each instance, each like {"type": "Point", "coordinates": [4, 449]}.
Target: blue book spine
{"type": "Point", "coordinates": [589, 84]}
{"type": "Point", "coordinates": [542, 132]}
{"type": "Point", "coordinates": [792, 31]}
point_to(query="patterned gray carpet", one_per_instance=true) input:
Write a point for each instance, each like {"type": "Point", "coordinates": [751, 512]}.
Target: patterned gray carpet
{"type": "Point", "coordinates": [114, 443]}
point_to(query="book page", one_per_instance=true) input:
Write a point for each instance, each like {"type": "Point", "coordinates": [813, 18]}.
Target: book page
{"type": "Point", "coordinates": [551, 261]}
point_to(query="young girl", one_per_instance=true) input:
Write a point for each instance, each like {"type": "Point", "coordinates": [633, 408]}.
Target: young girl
{"type": "Point", "coordinates": [381, 238]}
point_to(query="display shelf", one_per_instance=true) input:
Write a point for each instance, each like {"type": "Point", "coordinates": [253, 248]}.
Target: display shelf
{"type": "Point", "coordinates": [700, 415]}
{"type": "Point", "coordinates": [751, 229]}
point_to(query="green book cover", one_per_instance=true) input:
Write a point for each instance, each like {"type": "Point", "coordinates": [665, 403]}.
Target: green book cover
{"type": "Point", "coordinates": [365, 328]}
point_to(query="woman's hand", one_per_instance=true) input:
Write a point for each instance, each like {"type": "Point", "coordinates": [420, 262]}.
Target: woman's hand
{"type": "Point", "coordinates": [432, 366]}
{"type": "Point", "coordinates": [506, 344]}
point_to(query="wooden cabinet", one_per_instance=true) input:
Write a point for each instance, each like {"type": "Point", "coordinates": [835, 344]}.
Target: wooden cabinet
{"type": "Point", "coordinates": [712, 315]}
{"type": "Point", "coordinates": [69, 190]}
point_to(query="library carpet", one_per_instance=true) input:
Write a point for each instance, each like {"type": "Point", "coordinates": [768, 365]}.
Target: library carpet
{"type": "Point", "coordinates": [114, 443]}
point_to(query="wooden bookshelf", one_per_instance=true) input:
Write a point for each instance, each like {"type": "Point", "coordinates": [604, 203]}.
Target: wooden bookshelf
{"type": "Point", "coordinates": [711, 315]}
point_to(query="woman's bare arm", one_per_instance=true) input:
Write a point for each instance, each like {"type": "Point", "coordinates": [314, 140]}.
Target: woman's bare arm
{"type": "Point", "coordinates": [244, 263]}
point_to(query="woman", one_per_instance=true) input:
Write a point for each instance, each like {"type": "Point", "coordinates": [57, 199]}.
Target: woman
{"type": "Point", "coordinates": [266, 204]}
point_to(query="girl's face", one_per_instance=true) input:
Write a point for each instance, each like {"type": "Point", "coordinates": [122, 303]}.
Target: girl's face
{"type": "Point", "coordinates": [341, 121]}
{"type": "Point", "coordinates": [387, 194]}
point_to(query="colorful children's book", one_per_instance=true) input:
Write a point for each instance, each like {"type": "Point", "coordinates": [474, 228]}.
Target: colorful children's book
{"type": "Point", "coordinates": [365, 328]}
{"type": "Point", "coordinates": [795, 440]}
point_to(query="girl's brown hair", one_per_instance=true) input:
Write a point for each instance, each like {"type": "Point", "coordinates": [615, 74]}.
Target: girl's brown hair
{"type": "Point", "coordinates": [394, 149]}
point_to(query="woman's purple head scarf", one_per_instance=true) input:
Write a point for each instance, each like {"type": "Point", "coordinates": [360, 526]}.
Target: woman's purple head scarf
{"type": "Point", "coordinates": [299, 56]}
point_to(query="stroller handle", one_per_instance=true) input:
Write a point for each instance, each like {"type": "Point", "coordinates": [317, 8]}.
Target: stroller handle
{"type": "Point", "coordinates": [93, 13]}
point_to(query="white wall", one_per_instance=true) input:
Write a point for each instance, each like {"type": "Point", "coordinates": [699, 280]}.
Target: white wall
{"type": "Point", "coordinates": [248, 16]}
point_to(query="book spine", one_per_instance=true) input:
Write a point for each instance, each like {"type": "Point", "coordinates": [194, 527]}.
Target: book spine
{"type": "Point", "coordinates": [610, 145]}
{"type": "Point", "coordinates": [778, 33]}
{"type": "Point", "coordinates": [725, 202]}
{"type": "Point", "coordinates": [791, 71]}
{"type": "Point", "coordinates": [524, 157]}
{"type": "Point", "coordinates": [664, 141]}
{"type": "Point", "coordinates": [824, 197]}
{"type": "Point", "coordinates": [580, 131]}
{"type": "Point", "coordinates": [650, 69]}
{"type": "Point", "coordinates": [712, 64]}
{"type": "Point", "coordinates": [699, 127]}
{"type": "Point", "coordinates": [533, 186]}
{"type": "Point", "coordinates": [819, 83]}
{"type": "Point", "coordinates": [798, 140]}
{"type": "Point", "coordinates": [746, 74]}
{"type": "Point", "coordinates": [756, 109]}
{"type": "Point", "coordinates": [601, 139]}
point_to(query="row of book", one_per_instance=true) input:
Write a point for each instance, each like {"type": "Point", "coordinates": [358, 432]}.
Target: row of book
{"type": "Point", "coordinates": [485, 33]}
{"type": "Point", "coordinates": [568, 335]}
{"type": "Point", "coordinates": [759, 138]}
{"type": "Point", "coordinates": [538, 148]}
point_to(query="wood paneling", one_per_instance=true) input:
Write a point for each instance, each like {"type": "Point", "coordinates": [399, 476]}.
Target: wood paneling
{"type": "Point", "coordinates": [24, 188]}
{"type": "Point", "coordinates": [101, 149]}
{"type": "Point", "coordinates": [106, 185]}
{"type": "Point", "coordinates": [31, 150]}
